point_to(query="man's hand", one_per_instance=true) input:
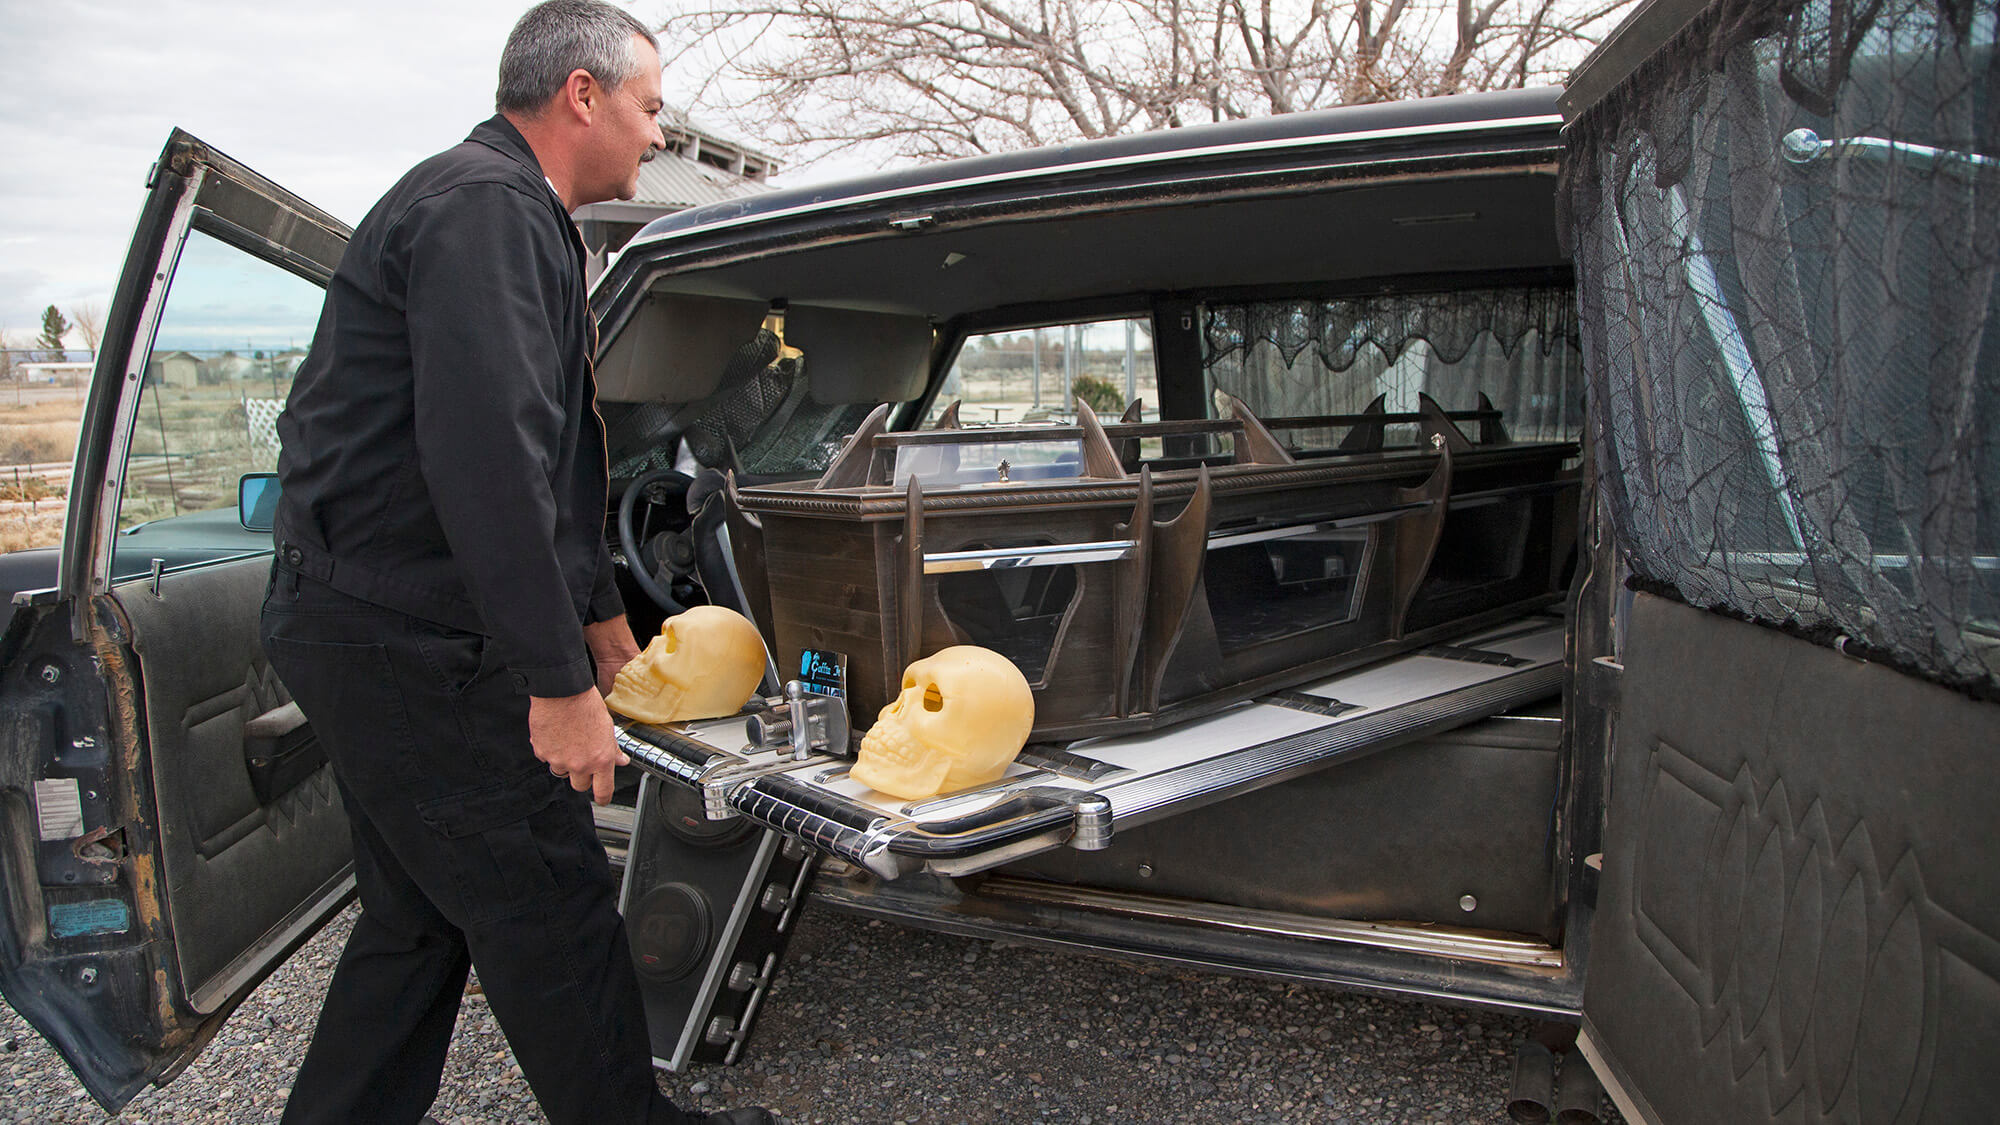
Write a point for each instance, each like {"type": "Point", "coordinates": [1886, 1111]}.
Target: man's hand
{"type": "Point", "coordinates": [573, 735]}
{"type": "Point", "coordinates": [611, 646]}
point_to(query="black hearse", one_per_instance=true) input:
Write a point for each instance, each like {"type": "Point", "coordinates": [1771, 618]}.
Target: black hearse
{"type": "Point", "coordinates": [1725, 801]}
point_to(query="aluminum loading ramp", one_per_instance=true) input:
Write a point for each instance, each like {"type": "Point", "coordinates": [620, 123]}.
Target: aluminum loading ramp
{"type": "Point", "coordinates": [1080, 794]}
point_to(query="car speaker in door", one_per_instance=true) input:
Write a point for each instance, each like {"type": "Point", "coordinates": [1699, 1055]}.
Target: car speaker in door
{"type": "Point", "coordinates": [709, 906]}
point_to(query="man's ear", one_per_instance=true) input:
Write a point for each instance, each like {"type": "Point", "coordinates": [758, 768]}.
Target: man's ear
{"type": "Point", "coordinates": [580, 95]}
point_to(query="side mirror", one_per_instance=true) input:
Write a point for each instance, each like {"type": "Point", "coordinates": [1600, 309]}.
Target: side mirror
{"type": "Point", "coordinates": [257, 501]}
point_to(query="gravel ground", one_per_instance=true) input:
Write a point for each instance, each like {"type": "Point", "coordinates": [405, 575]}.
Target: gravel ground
{"type": "Point", "coordinates": [871, 1023]}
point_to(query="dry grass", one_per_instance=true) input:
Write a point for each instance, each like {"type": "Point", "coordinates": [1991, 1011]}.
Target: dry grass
{"type": "Point", "coordinates": [21, 487]}
{"type": "Point", "coordinates": [36, 442]}
{"type": "Point", "coordinates": [60, 407]}
{"type": "Point", "coordinates": [38, 431]}
{"type": "Point", "coordinates": [34, 432]}
{"type": "Point", "coordinates": [188, 449]}
{"type": "Point", "coordinates": [21, 529]}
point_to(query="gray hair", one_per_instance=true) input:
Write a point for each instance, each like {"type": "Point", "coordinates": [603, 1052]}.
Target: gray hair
{"type": "Point", "coordinates": [559, 37]}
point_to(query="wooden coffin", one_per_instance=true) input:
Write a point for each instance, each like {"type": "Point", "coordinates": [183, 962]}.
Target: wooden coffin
{"type": "Point", "coordinates": [1136, 572]}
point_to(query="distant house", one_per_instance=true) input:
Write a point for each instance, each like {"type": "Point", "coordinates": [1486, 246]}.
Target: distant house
{"type": "Point", "coordinates": [67, 373]}
{"type": "Point", "coordinates": [278, 365]}
{"type": "Point", "coordinates": [229, 366]}
{"type": "Point", "coordinates": [175, 369]}
{"type": "Point", "coordinates": [698, 168]}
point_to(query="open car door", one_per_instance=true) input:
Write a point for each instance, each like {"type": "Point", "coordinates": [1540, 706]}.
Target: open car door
{"type": "Point", "coordinates": [1789, 318]}
{"type": "Point", "coordinates": [169, 831]}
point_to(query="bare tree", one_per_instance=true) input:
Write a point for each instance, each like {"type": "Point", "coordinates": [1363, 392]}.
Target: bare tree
{"type": "Point", "coordinates": [88, 319]}
{"type": "Point", "coordinates": [960, 77]}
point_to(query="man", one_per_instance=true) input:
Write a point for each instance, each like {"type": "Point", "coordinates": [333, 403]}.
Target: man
{"type": "Point", "coordinates": [442, 605]}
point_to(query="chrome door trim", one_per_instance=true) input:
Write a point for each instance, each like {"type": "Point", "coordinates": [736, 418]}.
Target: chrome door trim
{"type": "Point", "coordinates": [130, 391]}
{"type": "Point", "coordinates": [1464, 945]}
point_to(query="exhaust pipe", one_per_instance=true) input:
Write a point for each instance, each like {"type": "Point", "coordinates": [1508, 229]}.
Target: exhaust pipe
{"type": "Point", "coordinates": [1578, 1096]}
{"type": "Point", "coordinates": [1533, 1090]}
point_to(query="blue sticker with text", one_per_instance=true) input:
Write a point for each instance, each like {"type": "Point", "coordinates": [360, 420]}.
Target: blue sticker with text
{"type": "Point", "coordinates": [95, 916]}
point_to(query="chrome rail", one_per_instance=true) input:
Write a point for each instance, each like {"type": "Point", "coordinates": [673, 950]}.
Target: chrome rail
{"type": "Point", "coordinates": [1467, 945]}
{"type": "Point", "coordinates": [893, 846]}
{"type": "Point", "coordinates": [862, 844]}
{"type": "Point", "coordinates": [1802, 146]}
{"type": "Point", "coordinates": [668, 753]}
{"type": "Point", "coordinates": [1055, 554]}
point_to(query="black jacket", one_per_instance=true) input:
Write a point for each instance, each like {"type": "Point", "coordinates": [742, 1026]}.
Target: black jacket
{"type": "Point", "coordinates": [442, 453]}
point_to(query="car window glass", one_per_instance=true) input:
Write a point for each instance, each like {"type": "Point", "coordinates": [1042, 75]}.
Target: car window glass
{"type": "Point", "coordinates": [232, 334]}
{"type": "Point", "coordinates": [1037, 374]}
{"type": "Point", "coordinates": [1792, 311]}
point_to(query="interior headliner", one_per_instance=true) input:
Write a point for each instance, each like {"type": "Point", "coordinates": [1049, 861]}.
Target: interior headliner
{"type": "Point", "coordinates": [1460, 223]}
{"type": "Point", "coordinates": [868, 299]}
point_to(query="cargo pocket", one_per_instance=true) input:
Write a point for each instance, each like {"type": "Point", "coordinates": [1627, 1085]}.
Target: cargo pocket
{"type": "Point", "coordinates": [488, 839]}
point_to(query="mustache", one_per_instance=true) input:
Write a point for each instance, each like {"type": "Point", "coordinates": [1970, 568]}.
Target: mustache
{"type": "Point", "coordinates": [650, 153]}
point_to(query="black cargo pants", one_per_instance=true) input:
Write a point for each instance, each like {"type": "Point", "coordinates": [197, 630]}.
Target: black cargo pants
{"type": "Point", "coordinates": [467, 852]}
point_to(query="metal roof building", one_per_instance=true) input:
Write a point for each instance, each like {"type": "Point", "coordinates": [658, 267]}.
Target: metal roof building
{"type": "Point", "coordinates": [697, 168]}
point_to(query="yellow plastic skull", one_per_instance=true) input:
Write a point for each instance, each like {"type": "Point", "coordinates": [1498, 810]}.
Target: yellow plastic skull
{"type": "Point", "coordinates": [705, 663]}
{"type": "Point", "coordinates": [962, 716]}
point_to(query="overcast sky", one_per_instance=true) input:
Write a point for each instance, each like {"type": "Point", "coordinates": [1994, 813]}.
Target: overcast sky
{"type": "Point", "coordinates": [332, 100]}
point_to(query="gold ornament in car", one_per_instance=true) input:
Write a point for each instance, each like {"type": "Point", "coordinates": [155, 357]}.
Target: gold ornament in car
{"type": "Point", "coordinates": [962, 716]}
{"type": "Point", "coordinates": [705, 663]}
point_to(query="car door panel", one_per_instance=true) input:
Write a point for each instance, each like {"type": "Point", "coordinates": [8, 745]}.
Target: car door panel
{"type": "Point", "coordinates": [237, 868]}
{"type": "Point", "coordinates": [1796, 921]}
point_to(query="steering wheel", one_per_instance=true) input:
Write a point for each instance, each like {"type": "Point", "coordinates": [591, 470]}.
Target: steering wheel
{"type": "Point", "coordinates": [661, 558]}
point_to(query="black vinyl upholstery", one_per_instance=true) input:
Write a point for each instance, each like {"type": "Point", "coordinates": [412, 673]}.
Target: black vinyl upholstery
{"type": "Point", "coordinates": [235, 869]}
{"type": "Point", "coordinates": [1403, 835]}
{"type": "Point", "coordinates": [1800, 916]}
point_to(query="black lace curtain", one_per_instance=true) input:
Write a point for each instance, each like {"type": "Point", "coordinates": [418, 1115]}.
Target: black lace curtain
{"type": "Point", "coordinates": [1517, 346]}
{"type": "Point", "coordinates": [1340, 332]}
{"type": "Point", "coordinates": [1787, 228]}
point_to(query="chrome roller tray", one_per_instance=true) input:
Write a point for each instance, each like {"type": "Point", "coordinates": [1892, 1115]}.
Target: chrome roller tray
{"type": "Point", "coordinates": [1079, 795]}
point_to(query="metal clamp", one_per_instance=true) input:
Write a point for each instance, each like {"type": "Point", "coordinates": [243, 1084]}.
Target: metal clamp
{"type": "Point", "coordinates": [804, 722]}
